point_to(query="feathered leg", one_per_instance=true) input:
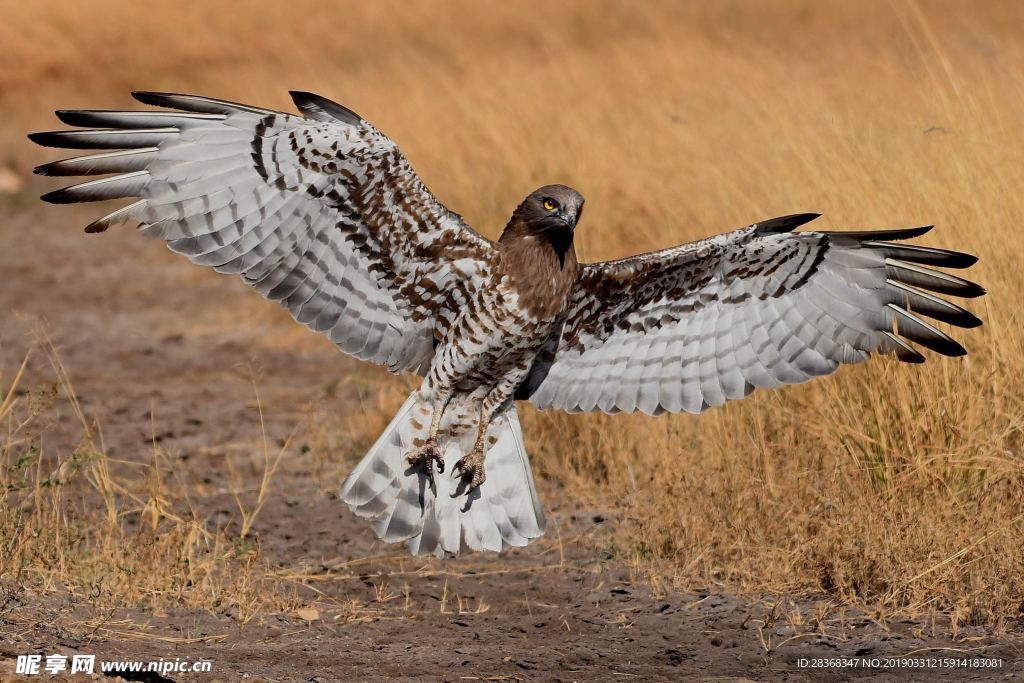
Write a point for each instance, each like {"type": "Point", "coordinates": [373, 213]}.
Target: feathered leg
{"type": "Point", "coordinates": [471, 465]}
{"type": "Point", "coordinates": [428, 453]}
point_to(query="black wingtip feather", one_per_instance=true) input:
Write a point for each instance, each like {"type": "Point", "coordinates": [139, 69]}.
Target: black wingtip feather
{"type": "Point", "coordinates": [960, 318]}
{"type": "Point", "coordinates": [969, 290]}
{"type": "Point", "coordinates": [46, 139]}
{"type": "Point", "coordinates": [960, 259]}
{"type": "Point", "coordinates": [784, 223]}
{"type": "Point", "coordinates": [968, 321]}
{"type": "Point", "coordinates": [946, 346]}
{"type": "Point", "coordinates": [61, 196]}
{"type": "Point", "coordinates": [53, 169]}
{"type": "Point", "coordinates": [954, 350]}
{"type": "Point", "coordinates": [932, 280]}
{"type": "Point", "coordinates": [911, 327]}
{"type": "Point", "coordinates": [157, 99]}
{"type": "Point", "coordinates": [881, 235]}
{"type": "Point", "coordinates": [930, 256]}
{"type": "Point", "coordinates": [945, 258]}
{"type": "Point", "coordinates": [184, 102]}
{"type": "Point", "coordinates": [69, 116]}
{"type": "Point", "coordinates": [318, 107]}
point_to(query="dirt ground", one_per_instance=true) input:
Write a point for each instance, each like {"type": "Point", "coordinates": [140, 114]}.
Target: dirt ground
{"type": "Point", "coordinates": [158, 348]}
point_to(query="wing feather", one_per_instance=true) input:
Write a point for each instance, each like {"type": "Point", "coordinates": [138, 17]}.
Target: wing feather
{"type": "Point", "coordinates": [320, 212]}
{"type": "Point", "coordinates": [694, 326]}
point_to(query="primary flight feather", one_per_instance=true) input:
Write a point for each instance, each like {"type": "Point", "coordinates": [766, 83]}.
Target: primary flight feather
{"type": "Point", "coordinates": [323, 213]}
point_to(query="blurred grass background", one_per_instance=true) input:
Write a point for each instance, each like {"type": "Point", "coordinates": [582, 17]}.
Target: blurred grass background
{"type": "Point", "coordinates": [895, 488]}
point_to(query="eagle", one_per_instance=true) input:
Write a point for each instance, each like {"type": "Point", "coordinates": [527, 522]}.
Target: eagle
{"type": "Point", "coordinates": [322, 213]}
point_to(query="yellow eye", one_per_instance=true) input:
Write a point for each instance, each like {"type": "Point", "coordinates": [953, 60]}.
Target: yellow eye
{"type": "Point", "coordinates": [549, 205]}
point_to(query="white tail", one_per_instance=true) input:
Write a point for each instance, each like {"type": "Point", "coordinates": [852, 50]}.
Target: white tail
{"type": "Point", "coordinates": [504, 511]}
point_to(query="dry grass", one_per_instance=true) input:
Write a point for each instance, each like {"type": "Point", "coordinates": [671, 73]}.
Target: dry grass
{"type": "Point", "coordinates": [896, 488]}
{"type": "Point", "coordinates": [71, 525]}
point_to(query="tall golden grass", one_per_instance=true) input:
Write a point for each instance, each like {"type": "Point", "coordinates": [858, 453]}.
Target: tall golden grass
{"type": "Point", "coordinates": [900, 489]}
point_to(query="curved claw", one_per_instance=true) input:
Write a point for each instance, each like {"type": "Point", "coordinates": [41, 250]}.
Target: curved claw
{"type": "Point", "coordinates": [428, 455]}
{"type": "Point", "coordinates": [472, 466]}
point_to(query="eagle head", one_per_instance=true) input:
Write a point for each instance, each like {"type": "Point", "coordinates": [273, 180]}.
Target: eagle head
{"type": "Point", "coordinates": [552, 210]}
{"type": "Point", "coordinates": [546, 220]}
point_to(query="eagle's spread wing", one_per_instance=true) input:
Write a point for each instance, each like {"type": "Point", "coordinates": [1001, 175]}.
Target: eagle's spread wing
{"type": "Point", "coordinates": [320, 212]}
{"type": "Point", "coordinates": [691, 327]}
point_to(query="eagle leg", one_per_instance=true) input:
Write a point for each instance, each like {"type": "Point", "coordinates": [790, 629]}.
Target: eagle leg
{"type": "Point", "coordinates": [429, 453]}
{"type": "Point", "coordinates": [471, 465]}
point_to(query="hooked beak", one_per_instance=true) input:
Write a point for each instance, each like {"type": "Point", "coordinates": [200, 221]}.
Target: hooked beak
{"type": "Point", "coordinates": [576, 215]}
{"type": "Point", "coordinates": [570, 217]}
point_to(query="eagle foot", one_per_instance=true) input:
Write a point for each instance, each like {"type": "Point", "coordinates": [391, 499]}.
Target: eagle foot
{"type": "Point", "coordinates": [428, 455]}
{"type": "Point", "coordinates": [471, 467]}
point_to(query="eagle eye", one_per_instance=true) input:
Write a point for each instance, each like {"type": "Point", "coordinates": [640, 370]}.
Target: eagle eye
{"type": "Point", "coordinates": [550, 204]}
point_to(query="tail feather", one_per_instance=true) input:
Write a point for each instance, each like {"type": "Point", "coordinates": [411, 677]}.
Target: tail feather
{"type": "Point", "coordinates": [374, 475]}
{"type": "Point", "coordinates": [404, 520]}
{"type": "Point", "coordinates": [481, 525]}
{"type": "Point", "coordinates": [520, 493]}
{"type": "Point", "coordinates": [443, 517]}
